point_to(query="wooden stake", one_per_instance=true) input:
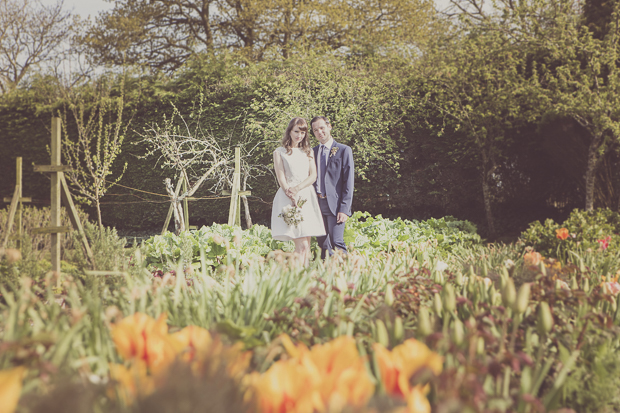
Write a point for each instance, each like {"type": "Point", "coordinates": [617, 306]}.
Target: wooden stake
{"type": "Point", "coordinates": [171, 209]}
{"type": "Point", "coordinates": [185, 206]}
{"type": "Point", "coordinates": [12, 210]}
{"type": "Point", "coordinates": [55, 194]}
{"type": "Point", "coordinates": [18, 183]}
{"type": "Point", "coordinates": [15, 210]}
{"type": "Point", "coordinates": [234, 214]}
{"type": "Point", "coordinates": [74, 217]}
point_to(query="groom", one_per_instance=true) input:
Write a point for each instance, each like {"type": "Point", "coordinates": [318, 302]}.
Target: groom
{"type": "Point", "coordinates": [334, 185]}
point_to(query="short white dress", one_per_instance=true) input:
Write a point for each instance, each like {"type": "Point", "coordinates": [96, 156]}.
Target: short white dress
{"type": "Point", "coordinates": [296, 169]}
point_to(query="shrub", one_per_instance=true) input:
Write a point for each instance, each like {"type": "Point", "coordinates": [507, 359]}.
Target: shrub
{"type": "Point", "coordinates": [585, 230]}
{"type": "Point", "coordinates": [37, 245]}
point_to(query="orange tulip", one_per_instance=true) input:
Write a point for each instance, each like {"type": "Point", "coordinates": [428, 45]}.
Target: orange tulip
{"type": "Point", "coordinates": [329, 376]}
{"type": "Point", "coordinates": [194, 342]}
{"type": "Point", "coordinates": [417, 401]}
{"type": "Point", "coordinates": [532, 258]}
{"type": "Point", "coordinates": [399, 365]}
{"type": "Point", "coordinates": [132, 382]}
{"type": "Point", "coordinates": [344, 376]}
{"type": "Point", "coordinates": [288, 386]}
{"type": "Point", "coordinates": [141, 337]}
{"type": "Point", "coordinates": [561, 233]}
{"type": "Point", "coordinates": [10, 388]}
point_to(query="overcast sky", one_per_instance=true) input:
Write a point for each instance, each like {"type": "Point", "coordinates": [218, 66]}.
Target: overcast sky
{"type": "Point", "coordinates": [91, 7]}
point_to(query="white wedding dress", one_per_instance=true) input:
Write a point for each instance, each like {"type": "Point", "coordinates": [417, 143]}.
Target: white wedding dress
{"type": "Point", "coordinates": [296, 169]}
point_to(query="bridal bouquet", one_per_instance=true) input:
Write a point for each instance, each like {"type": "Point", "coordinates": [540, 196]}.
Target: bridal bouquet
{"type": "Point", "coordinates": [291, 214]}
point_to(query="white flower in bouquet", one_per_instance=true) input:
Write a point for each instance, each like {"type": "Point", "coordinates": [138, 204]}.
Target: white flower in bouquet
{"type": "Point", "coordinates": [292, 215]}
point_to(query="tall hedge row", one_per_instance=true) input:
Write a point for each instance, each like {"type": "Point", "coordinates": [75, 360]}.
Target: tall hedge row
{"type": "Point", "coordinates": [428, 173]}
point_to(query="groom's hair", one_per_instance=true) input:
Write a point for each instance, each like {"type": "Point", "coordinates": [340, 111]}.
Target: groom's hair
{"type": "Point", "coordinates": [314, 119]}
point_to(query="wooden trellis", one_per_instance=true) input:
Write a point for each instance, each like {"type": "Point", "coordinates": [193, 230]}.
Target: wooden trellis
{"type": "Point", "coordinates": [60, 193]}
{"type": "Point", "coordinates": [15, 209]}
{"type": "Point", "coordinates": [234, 214]}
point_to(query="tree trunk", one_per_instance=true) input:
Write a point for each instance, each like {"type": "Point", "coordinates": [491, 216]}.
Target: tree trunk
{"type": "Point", "coordinates": [593, 162]}
{"type": "Point", "coordinates": [98, 204]}
{"type": "Point", "coordinates": [486, 193]}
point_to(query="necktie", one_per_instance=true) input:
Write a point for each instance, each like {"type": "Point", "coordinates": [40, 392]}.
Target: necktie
{"type": "Point", "coordinates": [323, 168]}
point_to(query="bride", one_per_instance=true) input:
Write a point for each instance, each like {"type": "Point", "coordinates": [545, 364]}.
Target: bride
{"type": "Point", "coordinates": [296, 172]}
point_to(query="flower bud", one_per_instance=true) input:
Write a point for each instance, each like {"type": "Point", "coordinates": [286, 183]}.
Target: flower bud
{"type": "Point", "coordinates": [582, 266]}
{"type": "Point", "coordinates": [509, 293]}
{"type": "Point", "coordinates": [545, 318]}
{"type": "Point", "coordinates": [424, 322]}
{"type": "Point", "coordinates": [399, 331]}
{"type": "Point", "coordinates": [523, 299]}
{"type": "Point", "coordinates": [459, 279]}
{"type": "Point", "coordinates": [586, 285]}
{"type": "Point", "coordinates": [459, 331]}
{"type": "Point", "coordinates": [382, 334]}
{"type": "Point", "coordinates": [437, 307]}
{"type": "Point", "coordinates": [480, 346]}
{"type": "Point", "coordinates": [472, 274]}
{"type": "Point", "coordinates": [543, 269]}
{"type": "Point", "coordinates": [614, 304]}
{"type": "Point", "coordinates": [573, 284]}
{"type": "Point", "coordinates": [449, 298]}
{"type": "Point", "coordinates": [389, 295]}
{"type": "Point", "coordinates": [526, 380]}
{"type": "Point", "coordinates": [485, 269]}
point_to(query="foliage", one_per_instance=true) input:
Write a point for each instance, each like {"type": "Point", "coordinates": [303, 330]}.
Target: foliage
{"type": "Point", "coordinates": [586, 230]}
{"type": "Point", "coordinates": [362, 105]}
{"type": "Point", "coordinates": [371, 235]}
{"type": "Point", "coordinates": [37, 245]}
{"type": "Point", "coordinates": [98, 117]}
{"type": "Point", "coordinates": [31, 35]}
{"type": "Point", "coordinates": [364, 234]}
{"type": "Point", "coordinates": [499, 348]}
{"type": "Point", "coordinates": [479, 83]}
{"type": "Point", "coordinates": [580, 79]}
{"type": "Point", "coordinates": [165, 34]}
{"type": "Point", "coordinates": [216, 242]}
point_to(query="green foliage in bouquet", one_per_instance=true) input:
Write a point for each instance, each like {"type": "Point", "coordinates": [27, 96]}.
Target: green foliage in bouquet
{"type": "Point", "coordinates": [583, 230]}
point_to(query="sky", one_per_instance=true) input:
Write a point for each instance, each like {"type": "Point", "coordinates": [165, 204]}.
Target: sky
{"type": "Point", "coordinates": [91, 7]}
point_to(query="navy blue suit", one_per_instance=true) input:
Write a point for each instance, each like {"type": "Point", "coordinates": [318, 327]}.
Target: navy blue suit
{"type": "Point", "coordinates": [339, 174]}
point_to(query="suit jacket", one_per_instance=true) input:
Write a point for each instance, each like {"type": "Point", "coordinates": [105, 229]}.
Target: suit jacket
{"type": "Point", "coordinates": [339, 175]}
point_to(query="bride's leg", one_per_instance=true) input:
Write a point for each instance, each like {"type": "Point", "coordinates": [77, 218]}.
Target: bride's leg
{"type": "Point", "coordinates": [302, 249]}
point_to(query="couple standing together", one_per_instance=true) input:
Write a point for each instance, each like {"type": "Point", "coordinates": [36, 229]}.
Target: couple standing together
{"type": "Point", "coordinates": [320, 179]}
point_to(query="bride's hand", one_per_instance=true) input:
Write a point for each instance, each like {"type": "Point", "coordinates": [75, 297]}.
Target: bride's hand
{"type": "Point", "coordinates": [292, 191]}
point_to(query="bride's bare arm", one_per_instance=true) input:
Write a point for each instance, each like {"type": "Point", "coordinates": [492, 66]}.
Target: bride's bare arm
{"type": "Point", "coordinates": [277, 164]}
{"type": "Point", "coordinates": [280, 175]}
{"type": "Point", "coordinates": [309, 180]}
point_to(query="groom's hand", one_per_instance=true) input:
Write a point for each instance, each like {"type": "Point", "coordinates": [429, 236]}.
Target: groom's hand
{"type": "Point", "coordinates": [341, 217]}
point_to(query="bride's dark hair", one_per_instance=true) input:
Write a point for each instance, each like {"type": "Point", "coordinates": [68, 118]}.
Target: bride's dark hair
{"type": "Point", "coordinates": [287, 141]}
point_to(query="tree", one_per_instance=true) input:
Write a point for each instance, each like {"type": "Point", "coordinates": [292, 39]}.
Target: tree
{"type": "Point", "coordinates": [164, 34]}
{"type": "Point", "coordinates": [186, 147]}
{"type": "Point", "coordinates": [479, 84]}
{"type": "Point", "coordinates": [98, 119]}
{"type": "Point", "coordinates": [579, 78]}
{"type": "Point", "coordinates": [362, 104]}
{"type": "Point", "coordinates": [30, 35]}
